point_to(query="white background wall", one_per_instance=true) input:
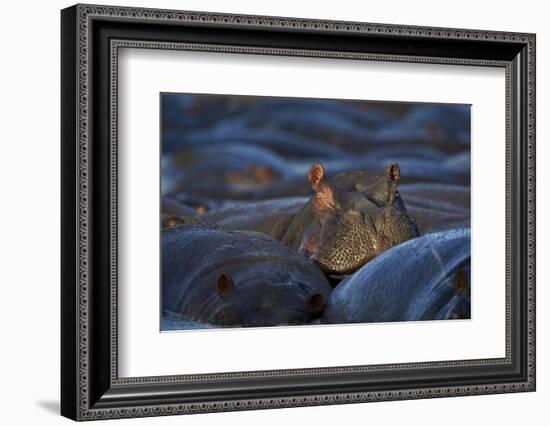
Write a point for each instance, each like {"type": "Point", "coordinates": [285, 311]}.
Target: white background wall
{"type": "Point", "coordinates": [29, 223]}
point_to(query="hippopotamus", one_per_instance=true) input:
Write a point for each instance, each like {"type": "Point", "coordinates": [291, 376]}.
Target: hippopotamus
{"type": "Point", "coordinates": [234, 163]}
{"type": "Point", "coordinates": [422, 279]}
{"type": "Point", "coordinates": [217, 170]}
{"type": "Point", "coordinates": [321, 119]}
{"type": "Point", "coordinates": [280, 142]}
{"type": "Point", "coordinates": [450, 123]}
{"type": "Point", "coordinates": [190, 119]}
{"type": "Point", "coordinates": [174, 207]}
{"type": "Point", "coordinates": [350, 219]}
{"type": "Point", "coordinates": [432, 220]}
{"type": "Point", "coordinates": [437, 207]}
{"type": "Point", "coordinates": [444, 126]}
{"type": "Point", "coordinates": [272, 216]}
{"type": "Point", "coordinates": [174, 213]}
{"type": "Point", "coordinates": [447, 197]}
{"type": "Point", "coordinates": [232, 209]}
{"type": "Point", "coordinates": [237, 279]}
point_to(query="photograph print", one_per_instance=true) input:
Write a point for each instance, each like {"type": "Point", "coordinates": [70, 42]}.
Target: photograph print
{"type": "Point", "coordinates": [294, 211]}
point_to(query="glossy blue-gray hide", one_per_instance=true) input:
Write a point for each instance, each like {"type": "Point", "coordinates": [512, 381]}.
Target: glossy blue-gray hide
{"type": "Point", "coordinates": [424, 278]}
{"type": "Point", "coordinates": [237, 279]}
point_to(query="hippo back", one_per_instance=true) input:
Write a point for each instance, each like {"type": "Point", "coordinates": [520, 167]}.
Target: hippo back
{"type": "Point", "coordinates": [436, 207]}
{"type": "Point", "coordinates": [271, 217]}
{"type": "Point", "coordinates": [271, 284]}
{"type": "Point", "coordinates": [424, 278]}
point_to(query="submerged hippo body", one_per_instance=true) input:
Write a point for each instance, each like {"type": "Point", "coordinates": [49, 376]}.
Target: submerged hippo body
{"type": "Point", "coordinates": [437, 207]}
{"type": "Point", "coordinates": [271, 217]}
{"type": "Point", "coordinates": [425, 278]}
{"type": "Point", "coordinates": [432, 220]}
{"type": "Point", "coordinates": [237, 279]}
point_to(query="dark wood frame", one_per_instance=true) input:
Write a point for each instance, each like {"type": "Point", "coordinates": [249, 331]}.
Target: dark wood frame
{"type": "Point", "coordinates": [90, 386]}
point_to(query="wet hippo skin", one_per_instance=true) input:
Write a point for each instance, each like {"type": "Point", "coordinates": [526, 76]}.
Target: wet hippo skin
{"type": "Point", "coordinates": [237, 279]}
{"type": "Point", "coordinates": [394, 288]}
{"type": "Point", "coordinates": [437, 207]}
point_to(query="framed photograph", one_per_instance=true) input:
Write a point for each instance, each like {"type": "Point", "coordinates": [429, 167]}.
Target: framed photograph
{"type": "Point", "coordinates": [263, 212]}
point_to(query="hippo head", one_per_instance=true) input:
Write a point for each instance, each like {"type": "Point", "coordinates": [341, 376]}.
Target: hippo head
{"type": "Point", "coordinates": [354, 217]}
{"type": "Point", "coordinates": [264, 304]}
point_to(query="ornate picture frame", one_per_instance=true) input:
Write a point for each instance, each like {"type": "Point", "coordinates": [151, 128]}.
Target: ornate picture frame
{"type": "Point", "coordinates": [91, 37]}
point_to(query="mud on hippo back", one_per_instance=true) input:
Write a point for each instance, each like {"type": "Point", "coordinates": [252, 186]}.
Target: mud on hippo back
{"type": "Point", "coordinates": [237, 279]}
{"type": "Point", "coordinates": [425, 278]}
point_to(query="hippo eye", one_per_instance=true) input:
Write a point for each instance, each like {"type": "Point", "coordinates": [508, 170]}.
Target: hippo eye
{"type": "Point", "coordinates": [374, 201]}
{"type": "Point", "coordinates": [361, 187]}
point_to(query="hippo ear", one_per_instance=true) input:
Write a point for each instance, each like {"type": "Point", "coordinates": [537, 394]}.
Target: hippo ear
{"type": "Point", "coordinates": [316, 304]}
{"type": "Point", "coordinates": [460, 283]}
{"type": "Point", "coordinates": [170, 221]}
{"type": "Point", "coordinates": [393, 172]}
{"type": "Point", "coordinates": [323, 200]}
{"type": "Point", "coordinates": [201, 209]}
{"type": "Point", "coordinates": [316, 176]}
{"type": "Point", "coordinates": [224, 285]}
